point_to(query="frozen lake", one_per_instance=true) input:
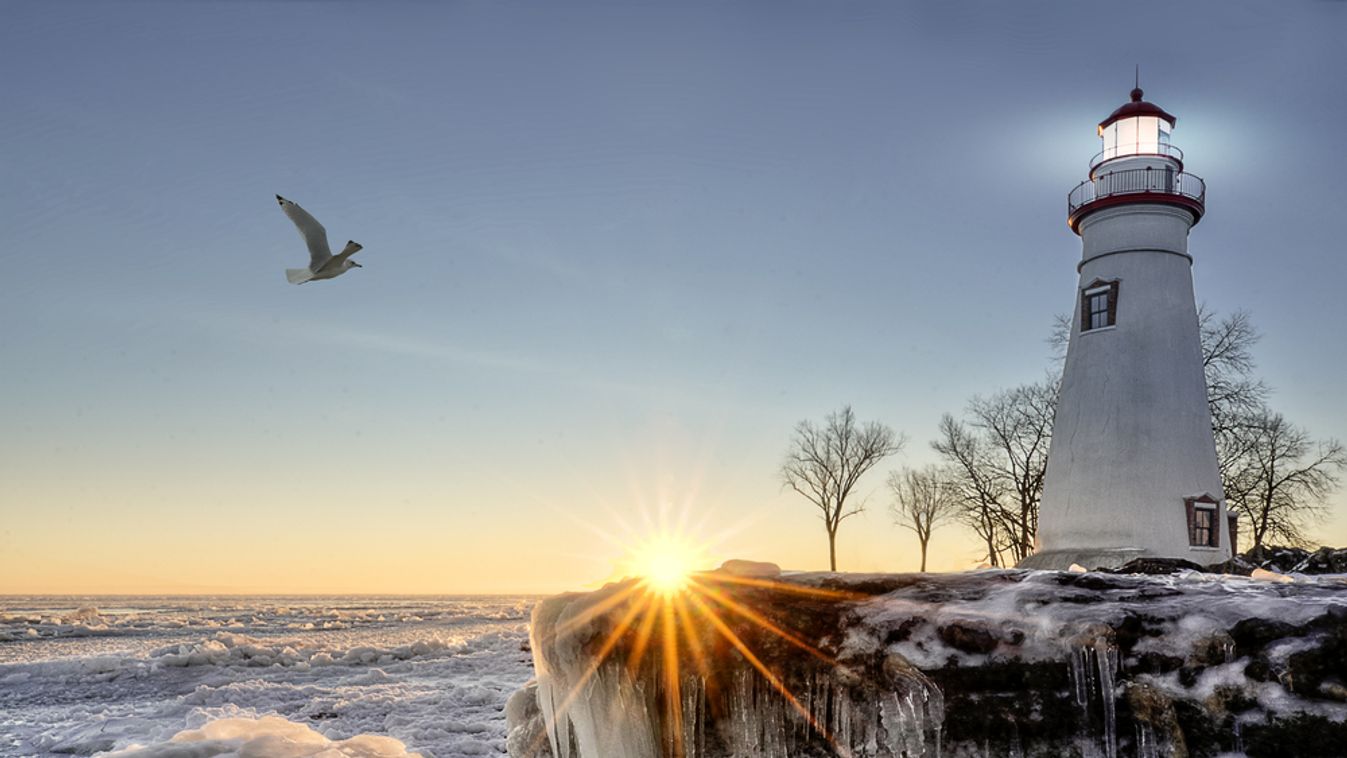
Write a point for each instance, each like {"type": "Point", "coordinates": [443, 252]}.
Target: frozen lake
{"type": "Point", "coordinates": [87, 675]}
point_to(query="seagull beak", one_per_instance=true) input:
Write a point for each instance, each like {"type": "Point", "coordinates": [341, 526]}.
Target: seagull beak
{"type": "Point", "coordinates": [357, 265]}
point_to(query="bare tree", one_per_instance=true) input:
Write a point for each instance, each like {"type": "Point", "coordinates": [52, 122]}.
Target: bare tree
{"type": "Point", "coordinates": [825, 462]}
{"type": "Point", "coordinates": [923, 499]}
{"type": "Point", "coordinates": [1281, 480]}
{"type": "Point", "coordinates": [1017, 424]}
{"type": "Point", "coordinates": [1001, 463]}
{"type": "Point", "coordinates": [978, 489]}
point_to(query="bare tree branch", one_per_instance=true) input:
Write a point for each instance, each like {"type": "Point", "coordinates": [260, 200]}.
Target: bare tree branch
{"type": "Point", "coordinates": [1280, 481]}
{"type": "Point", "coordinates": [979, 491]}
{"type": "Point", "coordinates": [1000, 459]}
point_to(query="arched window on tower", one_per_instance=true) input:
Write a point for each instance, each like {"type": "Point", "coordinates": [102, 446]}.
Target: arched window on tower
{"type": "Point", "coordinates": [1099, 305]}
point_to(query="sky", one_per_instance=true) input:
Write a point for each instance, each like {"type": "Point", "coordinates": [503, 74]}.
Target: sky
{"type": "Point", "coordinates": [614, 253]}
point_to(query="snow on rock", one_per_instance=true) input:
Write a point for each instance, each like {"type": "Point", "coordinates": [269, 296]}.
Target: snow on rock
{"type": "Point", "coordinates": [270, 736]}
{"type": "Point", "coordinates": [1325, 560]}
{"type": "Point", "coordinates": [760, 569]}
{"type": "Point", "coordinates": [1001, 662]}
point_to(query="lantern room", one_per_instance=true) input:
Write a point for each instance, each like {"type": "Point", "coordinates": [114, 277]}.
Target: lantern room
{"type": "Point", "coordinates": [1137, 165]}
{"type": "Point", "coordinates": [1137, 128]}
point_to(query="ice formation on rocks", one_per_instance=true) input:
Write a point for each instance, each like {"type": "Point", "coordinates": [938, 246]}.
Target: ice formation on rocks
{"type": "Point", "coordinates": [1017, 663]}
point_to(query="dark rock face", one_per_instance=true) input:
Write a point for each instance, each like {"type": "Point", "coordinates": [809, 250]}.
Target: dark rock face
{"type": "Point", "coordinates": [1155, 566]}
{"type": "Point", "coordinates": [968, 638]}
{"type": "Point", "coordinates": [1286, 560]}
{"type": "Point", "coordinates": [1283, 560]}
{"type": "Point", "coordinates": [1253, 634]}
{"type": "Point", "coordinates": [1032, 664]}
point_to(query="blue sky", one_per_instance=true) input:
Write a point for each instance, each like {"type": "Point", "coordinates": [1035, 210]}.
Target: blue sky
{"type": "Point", "coordinates": [613, 253]}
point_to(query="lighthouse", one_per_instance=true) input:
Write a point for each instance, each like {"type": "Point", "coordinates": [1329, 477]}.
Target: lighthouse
{"type": "Point", "coordinates": [1132, 470]}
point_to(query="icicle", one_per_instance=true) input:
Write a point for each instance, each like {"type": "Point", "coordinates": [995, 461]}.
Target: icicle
{"type": "Point", "coordinates": [1094, 668]}
{"type": "Point", "coordinates": [558, 730]}
{"type": "Point", "coordinates": [693, 704]}
{"type": "Point", "coordinates": [1146, 744]}
{"type": "Point", "coordinates": [1106, 658]}
{"type": "Point", "coordinates": [1080, 665]}
{"type": "Point", "coordinates": [935, 710]}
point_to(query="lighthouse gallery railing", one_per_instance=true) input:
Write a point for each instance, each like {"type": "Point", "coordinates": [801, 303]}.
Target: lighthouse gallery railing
{"type": "Point", "coordinates": [1137, 181]}
{"type": "Point", "coordinates": [1137, 149]}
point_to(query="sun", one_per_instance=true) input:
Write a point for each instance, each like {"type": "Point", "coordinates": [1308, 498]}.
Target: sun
{"type": "Point", "coordinates": [665, 561]}
{"type": "Point", "coordinates": [656, 609]}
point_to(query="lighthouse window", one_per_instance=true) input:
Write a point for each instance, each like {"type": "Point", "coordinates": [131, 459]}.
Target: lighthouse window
{"type": "Point", "coordinates": [1140, 135]}
{"type": "Point", "coordinates": [1203, 520]}
{"type": "Point", "coordinates": [1099, 306]}
{"type": "Point", "coordinates": [1202, 524]}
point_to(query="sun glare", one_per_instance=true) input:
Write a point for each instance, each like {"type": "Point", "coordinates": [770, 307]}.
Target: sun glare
{"type": "Point", "coordinates": [664, 563]}
{"type": "Point", "coordinates": [675, 608]}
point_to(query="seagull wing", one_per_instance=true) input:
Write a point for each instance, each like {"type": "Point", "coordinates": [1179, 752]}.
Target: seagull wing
{"type": "Point", "coordinates": [315, 236]}
{"type": "Point", "coordinates": [352, 247]}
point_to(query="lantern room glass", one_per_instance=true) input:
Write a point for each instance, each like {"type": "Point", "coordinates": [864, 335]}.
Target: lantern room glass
{"type": "Point", "coordinates": [1139, 135]}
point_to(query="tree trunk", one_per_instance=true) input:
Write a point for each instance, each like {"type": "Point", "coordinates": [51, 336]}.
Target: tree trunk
{"type": "Point", "coordinates": [992, 556]}
{"type": "Point", "coordinates": [832, 551]}
{"type": "Point", "coordinates": [923, 556]}
{"type": "Point", "coordinates": [1260, 531]}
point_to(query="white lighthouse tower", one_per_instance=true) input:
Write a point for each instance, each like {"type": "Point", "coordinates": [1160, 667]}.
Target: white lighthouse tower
{"type": "Point", "coordinates": [1132, 470]}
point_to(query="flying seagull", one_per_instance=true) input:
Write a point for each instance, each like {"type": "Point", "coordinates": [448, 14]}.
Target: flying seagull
{"type": "Point", "coordinates": [322, 263]}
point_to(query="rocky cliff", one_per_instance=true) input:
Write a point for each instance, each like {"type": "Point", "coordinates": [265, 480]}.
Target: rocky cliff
{"type": "Point", "coordinates": [986, 663]}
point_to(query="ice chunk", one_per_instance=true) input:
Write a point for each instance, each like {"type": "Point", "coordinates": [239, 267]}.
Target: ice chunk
{"type": "Point", "coordinates": [1263, 575]}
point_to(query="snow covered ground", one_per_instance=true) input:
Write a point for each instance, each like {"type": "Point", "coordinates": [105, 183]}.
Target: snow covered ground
{"type": "Point", "coordinates": [88, 676]}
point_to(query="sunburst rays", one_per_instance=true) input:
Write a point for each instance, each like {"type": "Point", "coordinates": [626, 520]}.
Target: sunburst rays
{"type": "Point", "coordinates": [669, 626]}
{"type": "Point", "coordinates": [668, 632]}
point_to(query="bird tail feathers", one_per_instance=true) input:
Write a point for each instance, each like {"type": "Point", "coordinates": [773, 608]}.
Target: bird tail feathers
{"type": "Point", "coordinates": [298, 275]}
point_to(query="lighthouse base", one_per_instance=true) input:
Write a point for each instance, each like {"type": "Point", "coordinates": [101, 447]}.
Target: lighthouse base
{"type": "Point", "coordinates": [1090, 558]}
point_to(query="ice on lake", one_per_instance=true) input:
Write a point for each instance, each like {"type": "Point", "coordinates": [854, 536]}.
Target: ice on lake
{"type": "Point", "coordinates": [95, 675]}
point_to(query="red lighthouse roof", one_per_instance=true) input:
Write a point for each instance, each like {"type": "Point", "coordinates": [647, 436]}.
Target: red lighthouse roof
{"type": "Point", "coordinates": [1137, 107]}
